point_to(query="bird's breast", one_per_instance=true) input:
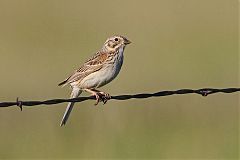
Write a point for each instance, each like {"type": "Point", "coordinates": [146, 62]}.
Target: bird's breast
{"type": "Point", "coordinates": [106, 74]}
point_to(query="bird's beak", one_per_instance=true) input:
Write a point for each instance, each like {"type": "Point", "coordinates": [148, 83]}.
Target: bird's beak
{"type": "Point", "coordinates": [126, 41]}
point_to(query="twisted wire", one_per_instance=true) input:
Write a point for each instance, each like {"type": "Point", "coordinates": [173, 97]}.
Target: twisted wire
{"type": "Point", "coordinates": [203, 92]}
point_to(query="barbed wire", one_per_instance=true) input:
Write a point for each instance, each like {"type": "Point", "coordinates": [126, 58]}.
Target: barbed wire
{"type": "Point", "coordinates": [203, 92]}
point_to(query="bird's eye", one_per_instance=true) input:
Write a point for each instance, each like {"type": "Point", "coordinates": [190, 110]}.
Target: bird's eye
{"type": "Point", "coordinates": [116, 39]}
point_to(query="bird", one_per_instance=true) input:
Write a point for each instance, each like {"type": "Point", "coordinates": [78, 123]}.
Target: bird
{"type": "Point", "coordinates": [96, 72]}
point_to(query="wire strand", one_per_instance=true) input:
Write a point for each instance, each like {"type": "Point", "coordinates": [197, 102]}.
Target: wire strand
{"type": "Point", "coordinates": [203, 92]}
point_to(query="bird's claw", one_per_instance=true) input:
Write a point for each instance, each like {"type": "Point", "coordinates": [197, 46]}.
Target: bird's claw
{"type": "Point", "coordinates": [97, 99]}
{"type": "Point", "coordinates": [102, 97]}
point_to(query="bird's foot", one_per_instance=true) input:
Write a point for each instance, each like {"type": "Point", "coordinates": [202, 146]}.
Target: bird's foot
{"type": "Point", "coordinates": [100, 96]}
{"type": "Point", "coordinates": [104, 97]}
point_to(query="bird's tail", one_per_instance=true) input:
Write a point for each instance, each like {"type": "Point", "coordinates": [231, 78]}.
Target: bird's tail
{"type": "Point", "coordinates": [75, 93]}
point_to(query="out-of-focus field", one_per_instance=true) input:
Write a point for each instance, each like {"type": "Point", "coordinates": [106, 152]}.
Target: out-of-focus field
{"type": "Point", "coordinates": [176, 44]}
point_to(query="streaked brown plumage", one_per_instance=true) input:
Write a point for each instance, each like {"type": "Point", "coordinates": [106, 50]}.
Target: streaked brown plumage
{"type": "Point", "coordinates": [97, 71]}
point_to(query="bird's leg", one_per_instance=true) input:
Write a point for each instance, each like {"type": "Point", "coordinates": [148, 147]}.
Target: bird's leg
{"type": "Point", "coordinates": [94, 93]}
{"type": "Point", "coordinates": [104, 96]}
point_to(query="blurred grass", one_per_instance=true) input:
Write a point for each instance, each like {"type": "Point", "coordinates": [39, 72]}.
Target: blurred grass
{"type": "Point", "coordinates": [176, 44]}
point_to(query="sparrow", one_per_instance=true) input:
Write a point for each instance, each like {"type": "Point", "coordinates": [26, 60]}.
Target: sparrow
{"type": "Point", "coordinates": [96, 72]}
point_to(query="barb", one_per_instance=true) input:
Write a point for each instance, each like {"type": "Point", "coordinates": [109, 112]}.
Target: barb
{"type": "Point", "coordinates": [203, 92]}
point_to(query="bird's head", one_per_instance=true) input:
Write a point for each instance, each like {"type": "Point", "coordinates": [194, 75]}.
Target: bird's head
{"type": "Point", "coordinates": [115, 42]}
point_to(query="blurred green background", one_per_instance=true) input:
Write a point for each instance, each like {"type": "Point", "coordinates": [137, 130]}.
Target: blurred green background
{"type": "Point", "coordinates": [176, 44]}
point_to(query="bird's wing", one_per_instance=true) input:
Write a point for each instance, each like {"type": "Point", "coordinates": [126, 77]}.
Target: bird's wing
{"type": "Point", "coordinates": [92, 65]}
